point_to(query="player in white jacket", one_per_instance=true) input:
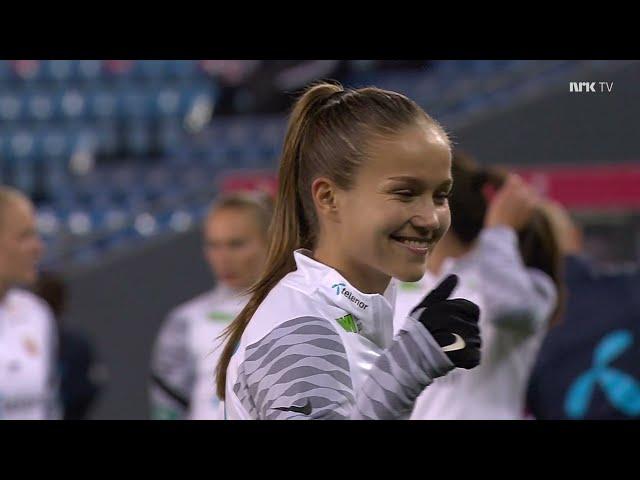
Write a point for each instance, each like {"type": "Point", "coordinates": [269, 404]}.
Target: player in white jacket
{"type": "Point", "coordinates": [362, 198]}
{"type": "Point", "coordinates": [507, 258]}
{"type": "Point", "coordinates": [186, 350]}
{"type": "Point", "coordinates": [28, 366]}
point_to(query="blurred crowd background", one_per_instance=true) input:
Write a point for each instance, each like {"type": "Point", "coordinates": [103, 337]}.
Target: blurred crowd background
{"type": "Point", "coordinates": [123, 157]}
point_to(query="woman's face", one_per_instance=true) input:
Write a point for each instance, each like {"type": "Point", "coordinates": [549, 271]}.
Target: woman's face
{"type": "Point", "coordinates": [234, 246]}
{"type": "Point", "coordinates": [20, 245]}
{"type": "Point", "coordinates": [397, 209]}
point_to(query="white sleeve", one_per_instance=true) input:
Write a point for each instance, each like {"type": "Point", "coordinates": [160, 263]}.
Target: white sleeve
{"type": "Point", "coordinates": [515, 296]}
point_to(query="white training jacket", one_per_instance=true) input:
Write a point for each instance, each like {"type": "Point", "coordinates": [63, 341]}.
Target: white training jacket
{"type": "Point", "coordinates": [29, 378]}
{"type": "Point", "coordinates": [186, 354]}
{"type": "Point", "coordinates": [317, 348]}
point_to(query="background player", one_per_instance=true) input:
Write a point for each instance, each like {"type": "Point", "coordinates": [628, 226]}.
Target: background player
{"type": "Point", "coordinates": [509, 262]}
{"type": "Point", "coordinates": [28, 374]}
{"type": "Point", "coordinates": [185, 353]}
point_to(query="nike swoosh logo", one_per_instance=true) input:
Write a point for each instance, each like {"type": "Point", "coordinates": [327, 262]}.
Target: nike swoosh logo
{"type": "Point", "coordinates": [459, 344]}
{"type": "Point", "coordinates": [304, 409]}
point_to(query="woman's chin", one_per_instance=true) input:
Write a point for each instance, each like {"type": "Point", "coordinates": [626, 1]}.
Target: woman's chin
{"type": "Point", "coordinates": [411, 275]}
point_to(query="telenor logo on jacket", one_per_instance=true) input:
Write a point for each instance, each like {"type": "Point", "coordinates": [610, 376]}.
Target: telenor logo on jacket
{"type": "Point", "coordinates": [340, 288]}
{"type": "Point", "coordinates": [621, 389]}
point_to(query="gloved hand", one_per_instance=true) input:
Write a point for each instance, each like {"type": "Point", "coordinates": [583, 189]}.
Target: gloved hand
{"type": "Point", "coordinates": [452, 323]}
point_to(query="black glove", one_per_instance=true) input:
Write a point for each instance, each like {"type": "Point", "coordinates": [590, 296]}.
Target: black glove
{"type": "Point", "coordinates": [452, 323]}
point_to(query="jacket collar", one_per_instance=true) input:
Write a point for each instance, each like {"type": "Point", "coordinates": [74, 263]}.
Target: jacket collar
{"type": "Point", "coordinates": [372, 313]}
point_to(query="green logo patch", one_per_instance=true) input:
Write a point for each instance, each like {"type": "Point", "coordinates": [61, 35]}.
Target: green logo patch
{"type": "Point", "coordinates": [220, 316]}
{"type": "Point", "coordinates": [164, 413]}
{"type": "Point", "coordinates": [348, 323]}
{"type": "Point", "coordinates": [409, 286]}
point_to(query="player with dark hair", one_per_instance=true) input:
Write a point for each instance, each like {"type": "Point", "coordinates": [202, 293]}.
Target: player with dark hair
{"type": "Point", "coordinates": [507, 257]}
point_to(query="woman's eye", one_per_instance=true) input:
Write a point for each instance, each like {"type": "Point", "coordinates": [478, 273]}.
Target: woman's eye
{"type": "Point", "coordinates": [441, 198]}
{"type": "Point", "coordinates": [404, 193]}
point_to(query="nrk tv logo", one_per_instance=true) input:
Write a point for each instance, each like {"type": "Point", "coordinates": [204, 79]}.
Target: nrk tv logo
{"type": "Point", "coordinates": [590, 87]}
{"type": "Point", "coordinates": [621, 389]}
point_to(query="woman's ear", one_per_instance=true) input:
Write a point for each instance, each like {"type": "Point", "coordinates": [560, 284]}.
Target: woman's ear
{"type": "Point", "coordinates": [323, 192]}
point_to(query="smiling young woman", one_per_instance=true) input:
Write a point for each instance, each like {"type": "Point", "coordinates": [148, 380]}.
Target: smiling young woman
{"type": "Point", "coordinates": [363, 186]}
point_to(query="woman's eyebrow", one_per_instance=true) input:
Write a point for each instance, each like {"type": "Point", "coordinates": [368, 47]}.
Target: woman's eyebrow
{"type": "Point", "coordinates": [407, 178]}
{"type": "Point", "coordinates": [448, 183]}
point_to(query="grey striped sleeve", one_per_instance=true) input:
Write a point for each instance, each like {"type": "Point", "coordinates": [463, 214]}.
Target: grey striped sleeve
{"type": "Point", "coordinates": [300, 371]}
{"type": "Point", "coordinates": [172, 371]}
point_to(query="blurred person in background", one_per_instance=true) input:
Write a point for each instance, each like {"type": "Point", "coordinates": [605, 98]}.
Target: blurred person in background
{"type": "Point", "coordinates": [266, 86]}
{"type": "Point", "coordinates": [508, 261]}
{"type": "Point", "coordinates": [589, 365]}
{"type": "Point", "coordinates": [82, 375]}
{"type": "Point", "coordinates": [185, 353]}
{"type": "Point", "coordinates": [28, 338]}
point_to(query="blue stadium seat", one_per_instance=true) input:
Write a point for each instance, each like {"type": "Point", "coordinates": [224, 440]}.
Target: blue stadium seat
{"type": "Point", "coordinates": [271, 133]}
{"type": "Point", "coordinates": [137, 202]}
{"type": "Point", "coordinates": [137, 138]}
{"type": "Point", "coordinates": [81, 139]}
{"type": "Point", "coordinates": [198, 211]}
{"type": "Point", "coordinates": [5, 71]}
{"type": "Point", "coordinates": [238, 135]}
{"type": "Point", "coordinates": [39, 106]}
{"type": "Point", "coordinates": [5, 140]}
{"type": "Point", "coordinates": [64, 200]}
{"type": "Point", "coordinates": [219, 155]}
{"type": "Point", "coordinates": [88, 70]}
{"type": "Point", "coordinates": [252, 156]}
{"type": "Point", "coordinates": [134, 103]}
{"type": "Point", "coordinates": [111, 218]}
{"type": "Point", "coordinates": [54, 144]}
{"type": "Point", "coordinates": [145, 224]}
{"type": "Point", "coordinates": [97, 215]}
{"type": "Point", "coordinates": [10, 107]}
{"type": "Point", "coordinates": [22, 145]}
{"type": "Point", "coordinates": [167, 102]}
{"type": "Point", "coordinates": [56, 174]}
{"type": "Point", "coordinates": [74, 104]}
{"type": "Point", "coordinates": [24, 176]}
{"type": "Point", "coordinates": [173, 195]}
{"type": "Point", "coordinates": [60, 71]}
{"type": "Point", "coordinates": [150, 69]}
{"type": "Point", "coordinates": [102, 104]}
{"type": "Point", "coordinates": [47, 222]}
{"type": "Point", "coordinates": [170, 133]}
{"type": "Point", "coordinates": [79, 221]}
{"type": "Point", "coordinates": [107, 137]}
{"type": "Point", "coordinates": [164, 219]}
{"type": "Point", "coordinates": [183, 69]}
